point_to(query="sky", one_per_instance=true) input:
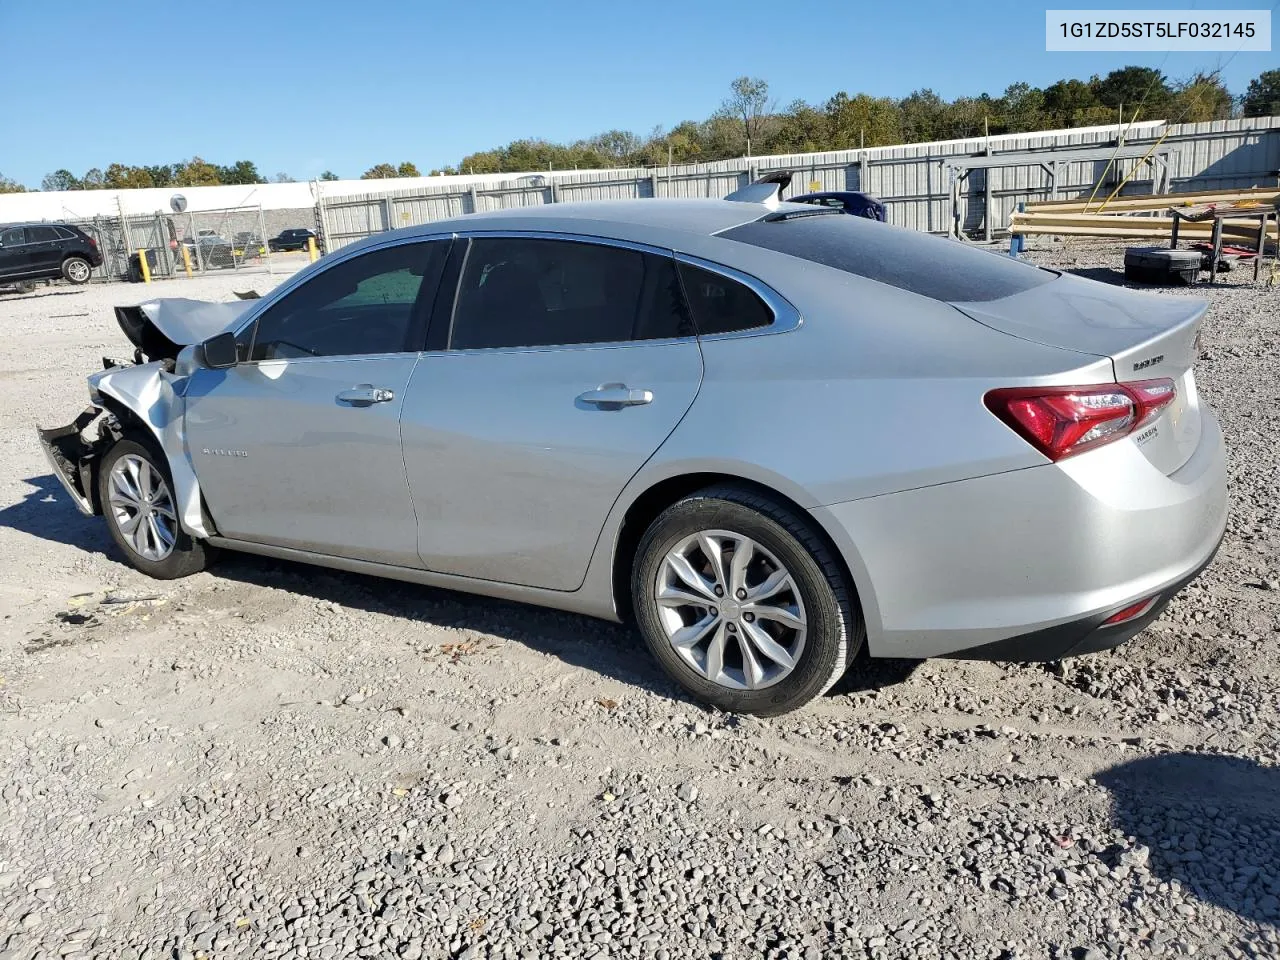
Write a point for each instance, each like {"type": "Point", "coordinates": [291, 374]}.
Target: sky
{"type": "Point", "coordinates": [305, 86]}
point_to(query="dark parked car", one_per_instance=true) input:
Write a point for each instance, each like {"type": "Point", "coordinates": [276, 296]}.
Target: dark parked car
{"type": "Point", "coordinates": [46, 251]}
{"type": "Point", "coordinates": [850, 201]}
{"type": "Point", "coordinates": [294, 238]}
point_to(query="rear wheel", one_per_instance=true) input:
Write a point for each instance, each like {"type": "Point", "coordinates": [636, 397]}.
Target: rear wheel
{"type": "Point", "coordinates": [136, 491]}
{"type": "Point", "coordinates": [743, 603]}
{"type": "Point", "coordinates": [76, 270]}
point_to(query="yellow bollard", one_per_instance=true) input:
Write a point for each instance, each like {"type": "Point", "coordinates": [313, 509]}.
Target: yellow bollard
{"type": "Point", "coordinates": [142, 264]}
{"type": "Point", "coordinates": [186, 260]}
{"type": "Point", "coordinates": [311, 249]}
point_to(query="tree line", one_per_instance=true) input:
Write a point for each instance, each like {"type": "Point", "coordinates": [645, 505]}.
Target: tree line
{"type": "Point", "coordinates": [749, 122]}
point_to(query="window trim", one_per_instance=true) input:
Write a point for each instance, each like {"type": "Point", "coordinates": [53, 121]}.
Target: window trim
{"type": "Point", "coordinates": [482, 234]}
{"type": "Point", "coordinates": [785, 316]}
{"type": "Point", "coordinates": [297, 281]}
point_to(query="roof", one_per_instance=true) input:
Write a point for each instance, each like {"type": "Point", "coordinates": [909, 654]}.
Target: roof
{"type": "Point", "coordinates": [701, 217]}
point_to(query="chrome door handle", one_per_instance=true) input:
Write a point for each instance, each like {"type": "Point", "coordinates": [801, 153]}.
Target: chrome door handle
{"type": "Point", "coordinates": [615, 395]}
{"type": "Point", "coordinates": [364, 395]}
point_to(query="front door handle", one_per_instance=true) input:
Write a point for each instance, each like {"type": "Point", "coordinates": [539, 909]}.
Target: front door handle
{"type": "Point", "coordinates": [364, 395]}
{"type": "Point", "coordinates": [612, 396]}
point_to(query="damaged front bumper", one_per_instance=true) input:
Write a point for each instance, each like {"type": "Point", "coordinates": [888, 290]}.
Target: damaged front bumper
{"type": "Point", "coordinates": [72, 456]}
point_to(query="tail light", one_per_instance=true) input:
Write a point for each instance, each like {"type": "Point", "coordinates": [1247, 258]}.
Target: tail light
{"type": "Point", "coordinates": [93, 243]}
{"type": "Point", "coordinates": [1063, 421]}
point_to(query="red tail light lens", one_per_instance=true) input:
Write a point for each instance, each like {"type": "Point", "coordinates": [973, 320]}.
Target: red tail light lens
{"type": "Point", "coordinates": [1063, 421]}
{"type": "Point", "coordinates": [1131, 612]}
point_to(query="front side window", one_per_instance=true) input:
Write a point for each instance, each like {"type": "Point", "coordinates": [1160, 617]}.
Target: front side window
{"type": "Point", "coordinates": [534, 292]}
{"type": "Point", "coordinates": [12, 237]}
{"type": "Point", "coordinates": [371, 304]}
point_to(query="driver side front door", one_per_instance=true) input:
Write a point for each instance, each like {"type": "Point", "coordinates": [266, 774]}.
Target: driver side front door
{"type": "Point", "coordinates": [299, 444]}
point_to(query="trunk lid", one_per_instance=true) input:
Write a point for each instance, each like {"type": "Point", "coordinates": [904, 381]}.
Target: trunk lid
{"type": "Point", "coordinates": [1145, 336]}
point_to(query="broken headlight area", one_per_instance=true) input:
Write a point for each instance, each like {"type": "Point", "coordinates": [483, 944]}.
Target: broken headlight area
{"type": "Point", "coordinates": [72, 451]}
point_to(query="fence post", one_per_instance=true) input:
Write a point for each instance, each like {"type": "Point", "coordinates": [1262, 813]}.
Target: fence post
{"type": "Point", "coordinates": [475, 199]}
{"type": "Point", "coordinates": [653, 183]}
{"type": "Point", "coordinates": [388, 213]}
{"type": "Point", "coordinates": [1016, 239]}
{"type": "Point", "coordinates": [143, 265]}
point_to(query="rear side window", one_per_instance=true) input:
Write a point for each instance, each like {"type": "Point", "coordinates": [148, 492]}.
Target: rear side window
{"type": "Point", "coordinates": [535, 292]}
{"type": "Point", "coordinates": [41, 234]}
{"type": "Point", "coordinates": [944, 270]}
{"type": "Point", "coordinates": [720, 304]}
{"type": "Point", "coordinates": [67, 234]}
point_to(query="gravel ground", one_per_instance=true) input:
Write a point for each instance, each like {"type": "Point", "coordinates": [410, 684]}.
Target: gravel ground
{"type": "Point", "coordinates": [272, 760]}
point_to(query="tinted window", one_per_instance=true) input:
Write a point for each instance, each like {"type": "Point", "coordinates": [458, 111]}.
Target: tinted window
{"type": "Point", "coordinates": [41, 234]}
{"type": "Point", "coordinates": [11, 236]}
{"type": "Point", "coordinates": [374, 303]}
{"type": "Point", "coordinates": [524, 292]}
{"type": "Point", "coordinates": [67, 234]}
{"type": "Point", "coordinates": [722, 305]}
{"type": "Point", "coordinates": [930, 266]}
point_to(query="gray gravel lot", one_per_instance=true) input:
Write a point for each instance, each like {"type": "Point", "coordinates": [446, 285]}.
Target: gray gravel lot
{"type": "Point", "coordinates": [270, 760]}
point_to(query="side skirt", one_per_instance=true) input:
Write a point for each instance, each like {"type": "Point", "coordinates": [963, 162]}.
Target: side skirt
{"type": "Point", "coordinates": [576, 602]}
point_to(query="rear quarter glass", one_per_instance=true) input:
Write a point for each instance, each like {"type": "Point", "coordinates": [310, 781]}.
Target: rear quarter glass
{"type": "Point", "coordinates": [933, 267]}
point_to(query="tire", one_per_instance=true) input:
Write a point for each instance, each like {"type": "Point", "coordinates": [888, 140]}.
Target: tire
{"type": "Point", "coordinates": [76, 270]}
{"type": "Point", "coordinates": [820, 639]}
{"type": "Point", "coordinates": [182, 555]}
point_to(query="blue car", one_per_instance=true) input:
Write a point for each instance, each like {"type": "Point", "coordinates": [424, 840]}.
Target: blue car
{"type": "Point", "coordinates": [850, 201]}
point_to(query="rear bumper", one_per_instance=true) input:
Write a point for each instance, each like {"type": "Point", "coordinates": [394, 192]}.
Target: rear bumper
{"type": "Point", "coordinates": [1088, 635]}
{"type": "Point", "coordinates": [1028, 564]}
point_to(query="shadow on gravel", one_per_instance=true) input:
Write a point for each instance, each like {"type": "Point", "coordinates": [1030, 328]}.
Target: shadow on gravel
{"type": "Point", "coordinates": [48, 513]}
{"type": "Point", "coordinates": [608, 648]}
{"type": "Point", "coordinates": [1105, 275]}
{"type": "Point", "coordinates": [868, 674]}
{"type": "Point", "coordinates": [1211, 823]}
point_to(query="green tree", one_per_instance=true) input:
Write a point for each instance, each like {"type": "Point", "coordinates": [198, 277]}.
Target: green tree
{"type": "Point", "coordinates": [196, 173]}
{"type": "Point", "coordinates": [1071, 103]}
{"type": "Point", "coordinates": [60, 180]}
{"type": "Point", "coordinates": [382, 171]}
{"type": "Point", "coordinates": [1021, 108]}
{"type": "Point", "coordinates": [329, 175]}
{"type": "Point", "coordinates": [921, 116]}
{"type": "Point", "coordinates": [242, 171]}
{"type": "Point", "coordinates": [801, 128]}
{"type": "Point", "coordinates": [1262, 99]}
{"type": "Point", "coordinates": [1202, 98]}
{"type": "Point", "coordinates": [407, 169]}
{"type": "Point", "coordinates": [861, 120]}
{"type": "Point", "coordinates": [748, 102]}
{"type": "Point", "coordinates": [283, 178]}
{"type": "Point", "coordinates": [93, 179]}
{"type": "Point", "coordinates": [1133, 86]}
{"type": "Point", "coordinates": [161, 174]}
{"type": "Point", "coordinates": [121, 177]}
{"type": "Point", "coordinates": [10, 186]}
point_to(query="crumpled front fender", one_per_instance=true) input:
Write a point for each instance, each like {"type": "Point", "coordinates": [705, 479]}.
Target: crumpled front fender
{"type": "Point", "coordinates": [154, 396]}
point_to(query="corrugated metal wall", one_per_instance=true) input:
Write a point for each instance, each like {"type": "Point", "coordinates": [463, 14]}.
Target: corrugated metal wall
{"type": "Point", "coordinates": [912, 179]}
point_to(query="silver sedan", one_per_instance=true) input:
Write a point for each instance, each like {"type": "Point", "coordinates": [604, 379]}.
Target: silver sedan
{"type": "Point", "coordinates": [771, 434]}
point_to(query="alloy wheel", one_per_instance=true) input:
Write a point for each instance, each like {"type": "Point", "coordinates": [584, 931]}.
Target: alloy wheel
{"type": "Point", "coordinates": [78, 271]}
{"type": "Point", "coordinates": [142, 507]}
{"type": "Point", "coordinates": [731, 610]}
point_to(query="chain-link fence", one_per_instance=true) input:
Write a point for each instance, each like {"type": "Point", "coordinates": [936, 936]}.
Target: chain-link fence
{"type": "Point", "coordinates": [178, 245]}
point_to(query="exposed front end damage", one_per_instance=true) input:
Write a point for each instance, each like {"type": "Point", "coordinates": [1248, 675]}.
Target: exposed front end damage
{"type": "Point", "coordinates": [144, 398]}
{"type": "Point", "coordinates": [72, 458]}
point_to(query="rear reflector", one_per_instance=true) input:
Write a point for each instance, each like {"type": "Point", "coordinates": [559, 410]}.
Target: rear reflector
{"type": "Point", "coordinates": [1063, 421]}
{"type": "Point", "coordinates": [1131, 612]}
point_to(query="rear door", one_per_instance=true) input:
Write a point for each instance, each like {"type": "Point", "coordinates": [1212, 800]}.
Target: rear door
{"type": "Point", "coordinates": [44, 248]}
{"type": "Point", "coordinates": [565, 366]}
{"type": "Point", "coordinates": [299, 445]}
{"type": "Point", "coordinates": [13, 252]}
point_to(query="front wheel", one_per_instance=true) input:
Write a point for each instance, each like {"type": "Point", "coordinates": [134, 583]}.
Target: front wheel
{"type": "Point", "coordinates": [743, 603]}
{"type": "Point", "coordinates": [76, 270]}
{"type": "Point", "coordinates": [136, 491]}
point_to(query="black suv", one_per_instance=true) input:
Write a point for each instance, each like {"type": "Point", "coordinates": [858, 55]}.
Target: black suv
{"type": "Point", "coordinates": [43, 251]}
{"type": "Point", "coordinates": [295, 238]}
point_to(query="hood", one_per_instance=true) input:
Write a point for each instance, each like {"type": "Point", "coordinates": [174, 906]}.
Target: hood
{"type": "Point", "coordinates": [161, 328]}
